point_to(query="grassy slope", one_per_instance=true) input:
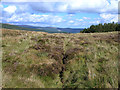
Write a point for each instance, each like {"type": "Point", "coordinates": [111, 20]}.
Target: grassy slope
{"type": "Point", "coordinates": [42, 60]}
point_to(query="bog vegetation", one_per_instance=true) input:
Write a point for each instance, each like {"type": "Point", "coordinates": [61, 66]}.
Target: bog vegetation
{"type": "Point", "coordinates": [43, 60]}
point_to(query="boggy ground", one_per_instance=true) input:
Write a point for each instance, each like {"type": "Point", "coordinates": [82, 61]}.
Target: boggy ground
{"type": "Point", "coordinates": [44, 60]}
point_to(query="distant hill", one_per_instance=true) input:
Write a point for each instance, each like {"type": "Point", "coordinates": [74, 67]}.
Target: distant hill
{"type": "Point", "coordinates": [9, 26]}
{"type": "Point", "coordinates": [41, 29]}
{"type": "Point", "coordinates": [28, 28]}
{"type": "Point", "coordinates": [55, 29]}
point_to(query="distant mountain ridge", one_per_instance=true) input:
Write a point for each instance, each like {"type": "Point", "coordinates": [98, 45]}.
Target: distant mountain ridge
{"type": "Point", "coordinates": [42, 29]}
{"type": "Point", "coordinates": [67, 30]}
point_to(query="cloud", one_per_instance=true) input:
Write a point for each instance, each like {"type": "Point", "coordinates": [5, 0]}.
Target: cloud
{"type": "Point", "coordinates": [34, 18]}
{"type": "Point", "coordinates": [109, 17]}
{"type": "Point", "coordinates": [112, 7]}
{"type": "Point", "coordinates": [26, 11]}
{"type": "Point", "coordinates": [70, 15]}
{"type": "Point", "coordinates": [119, 7]}
{"type": "Point", "coordinates": [1, 7]}
{"type": "Point", "coordinates": [23, 8]}
{"type": "Point", "coordinates": [33, 1]}
{"type": "Point", "coordinates": [86, 18]}
{"type": "Point", "coordinates": [79, 19]}
{"type": "Point", "coordinates": [95, 22]}
{"type": "Point", "coordinates": [71, 21]}
{"type": "Point", "coordinates": [72, 6]}
{"type": "Point", "coordinates": [10, 9]}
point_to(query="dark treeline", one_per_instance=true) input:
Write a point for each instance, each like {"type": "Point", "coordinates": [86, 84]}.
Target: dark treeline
{"type": "Point", "coordinates": [106, 27]}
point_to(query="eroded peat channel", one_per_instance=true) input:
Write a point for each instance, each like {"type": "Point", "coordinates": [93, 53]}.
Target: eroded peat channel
{"type": "Point", "coordinates": [43, 60]}
{"type": "Point", "coordinates": [61, 53]}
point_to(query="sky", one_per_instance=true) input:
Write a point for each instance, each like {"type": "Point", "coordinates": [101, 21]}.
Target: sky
{"type": "Point", "coordinates": [59, 13]}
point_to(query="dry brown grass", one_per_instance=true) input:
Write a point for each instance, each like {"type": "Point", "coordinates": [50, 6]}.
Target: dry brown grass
{"type": "Point", "coordinates": [83, 60]}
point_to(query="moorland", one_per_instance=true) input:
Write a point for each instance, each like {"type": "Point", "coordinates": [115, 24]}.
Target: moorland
{"type": "Point", "coordinates": [59, 60]}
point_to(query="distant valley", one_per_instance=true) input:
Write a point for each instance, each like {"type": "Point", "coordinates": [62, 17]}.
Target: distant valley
{"type": "Point", "coordinates": [41, 29]}
{"type": "Point", "coordinates": [54, 29]}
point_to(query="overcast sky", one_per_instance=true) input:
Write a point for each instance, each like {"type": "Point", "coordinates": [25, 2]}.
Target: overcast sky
{"type": "Point", "coordinates": [53, 13]}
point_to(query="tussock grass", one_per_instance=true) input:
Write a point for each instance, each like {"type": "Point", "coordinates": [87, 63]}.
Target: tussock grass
{"type": "Point", "coordinates": [36, 60]}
